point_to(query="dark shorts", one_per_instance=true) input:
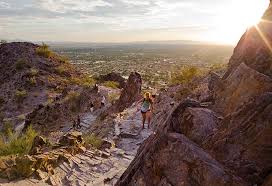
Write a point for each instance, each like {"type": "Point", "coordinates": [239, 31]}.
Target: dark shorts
{"type": "Point", "coordinates": [145, 112]}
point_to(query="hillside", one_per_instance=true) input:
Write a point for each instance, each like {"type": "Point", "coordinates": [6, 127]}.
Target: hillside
{"type": "Point", "coordinates": [32, 77]}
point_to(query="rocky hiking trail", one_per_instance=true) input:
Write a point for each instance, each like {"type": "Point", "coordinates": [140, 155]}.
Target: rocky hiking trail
{"type": "Point", "coordinates": [100, 167]}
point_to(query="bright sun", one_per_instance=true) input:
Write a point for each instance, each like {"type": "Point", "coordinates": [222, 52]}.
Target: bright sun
{"type": "Point", "coordinates": [235, 18]}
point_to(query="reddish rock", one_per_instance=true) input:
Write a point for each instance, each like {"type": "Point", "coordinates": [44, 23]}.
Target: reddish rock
{"type": "Point", "coordinates": [198, 123]}
{"type": "Point", "coordinates": [243, 142]}
{"type": "Point", "coordinates": [172, 159]}
{"type": "Point", "coordinates": [239, 87]}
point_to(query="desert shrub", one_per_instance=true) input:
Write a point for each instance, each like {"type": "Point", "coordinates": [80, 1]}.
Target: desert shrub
{"type": "Point", "coordinates": [2, 116]}
{"type": "Point", "coordinates": [62, 59]}
{"type": "Point", "coordinates": [34, 72]}
{"type": "Point", "coordinates": [2, 101]}
{"type": "Point", "coordinates": [7, 129]}
{"type": "Point", "coordinates": [185, 75]}
{"type": "Point", "coordinates": [92, 140]}
{"type": "Point", "coordinates": [21, 64]}
{"type": "Point", "coordinates": [32, 81]}
{"type": "Point", "coordinates": [83, 81]}
{"type": "Point", "coordinates": [113, 97]}
{"type": "Point", "coordinates": [61, 70]}
{"type": "Point", "coordinates": [49, 101]}
{"type": "Point", "coordinates": [3, 41]}
{"type": "Point", "coordinates": [13, 144]}
{"type": "Point", "coordinates": [218, 66]}
{"type": "Point", "coordinates": [73, 98]}
{"type": "Point", "coordinates": [44, 51]}
{"type": "Point", "coordinates": [20, 95]}
{"type": "Point", "coordinates": [111, 84]}
{"type": "Point", "coordinates": [21, 117]}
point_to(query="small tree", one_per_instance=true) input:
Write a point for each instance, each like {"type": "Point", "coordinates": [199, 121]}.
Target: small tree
{"type": "Point", "coordinates": [3, 41]}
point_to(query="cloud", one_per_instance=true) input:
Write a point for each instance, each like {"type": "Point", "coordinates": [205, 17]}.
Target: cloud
{"type": "Point", "coordinates": [33, 18]}
{"type": "Point", "coordinates": [4, 5]}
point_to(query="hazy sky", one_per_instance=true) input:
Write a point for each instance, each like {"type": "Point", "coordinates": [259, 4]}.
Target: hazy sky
{"type": "Point", "coordinates": [128, 20]}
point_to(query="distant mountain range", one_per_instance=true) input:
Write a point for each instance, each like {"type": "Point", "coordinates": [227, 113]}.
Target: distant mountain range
{"type": "Point", "coordinates": [67, 44]}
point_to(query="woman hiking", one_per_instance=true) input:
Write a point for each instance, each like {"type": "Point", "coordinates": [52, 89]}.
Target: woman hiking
{"type": "Point", "coordinates": [147, 108]}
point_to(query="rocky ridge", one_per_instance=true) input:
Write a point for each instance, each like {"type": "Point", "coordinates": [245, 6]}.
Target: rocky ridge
{"type": "Point", "coordinates": [223, 142]}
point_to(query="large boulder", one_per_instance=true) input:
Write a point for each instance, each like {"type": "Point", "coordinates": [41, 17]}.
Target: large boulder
{"type": "Point", "coordinates": [198, 123]}
{"type": "Point", "coordinates": [254, 49]}
{"type": "Point", "coordinates": [243, 142]}
{"type": "Point", "coordinates": [172, 159]}
{"type": "Point", "coordinates": [239, 87]}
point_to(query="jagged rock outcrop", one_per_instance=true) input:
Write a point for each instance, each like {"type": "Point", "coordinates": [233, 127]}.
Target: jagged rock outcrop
{"type": "Point", "coordinates": [131, 92]}
{"type": "Point", "coordinates": [113, 76]}
{"type": "Point", "coordinates": [243, 143]}
{"type": "Point", "coordinates": [239, 87]}
{"type": "Point", "coordinates": [255, 47]}
{"type": "Point", "coordinates": [198, 123]}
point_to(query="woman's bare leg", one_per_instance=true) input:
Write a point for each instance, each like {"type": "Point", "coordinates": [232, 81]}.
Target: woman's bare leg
{"type": "Point", "coordinates": [144, 117]}
{"type": "Point", "coordinates": [148, 115]}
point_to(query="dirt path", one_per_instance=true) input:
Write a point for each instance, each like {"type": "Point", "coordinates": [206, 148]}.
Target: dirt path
{"type": "Point", "coordinates": [104, 168]}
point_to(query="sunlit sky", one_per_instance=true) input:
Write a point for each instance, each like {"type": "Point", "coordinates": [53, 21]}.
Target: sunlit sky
{"type": "Point", "coordinates": [220, 21]}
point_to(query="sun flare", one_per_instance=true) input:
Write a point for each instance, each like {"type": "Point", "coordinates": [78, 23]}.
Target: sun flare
{"type": "Point", "coordinates": [235, 18]}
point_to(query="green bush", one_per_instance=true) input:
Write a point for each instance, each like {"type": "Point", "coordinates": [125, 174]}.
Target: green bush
{"type": "Point", "coordinates": [83, 81]}
{"type": "Point", "coordinates": [32, 81]}
{"type": "Point", "coordinates": [92, 140]}
{"type": "Point", "coordinates": [2, 101]}
{"type": "Point", "coordinates": [185, 75]}
{"type": "Point", "coordinates": [20, 145]}
{"type": "Point", "coordinates": [73, 98]}
{"type": "Point", "coordinates": [21, 117]}
{"type": "Point", "coordinates": [34, 72]}
{"type": "Point", "coordinates": [113, 97]}
{"type": "Point", "coordinates": [7, 129]}
{"type": "Point", "coordinates": [44, 51]}
{"type": "Point", "coordinates": [20, 95]}
{"type": "Point", "coordinates": [21, 64]}
{"type": "Point", "coordinates": [111, 84]}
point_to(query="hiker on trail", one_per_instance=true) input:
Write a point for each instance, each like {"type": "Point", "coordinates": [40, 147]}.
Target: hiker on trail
{"type": "Point", "coordinates": [103, 102]}
{"type": "Point", "coordinates": [147, 108]}
{"type": "Point", "coordinates": [78, 122]}
{"type": "Point", "coordinates": [92, 107]}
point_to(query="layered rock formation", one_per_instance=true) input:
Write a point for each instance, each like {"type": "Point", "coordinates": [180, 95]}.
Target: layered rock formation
{"type": "Point", "coordinates": [131, 92]}
{"type": "Point", "coordinates": [226, 143]}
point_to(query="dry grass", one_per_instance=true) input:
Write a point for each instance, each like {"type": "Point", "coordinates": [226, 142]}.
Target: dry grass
{"type": "Point", "coordinates": [92, 140]}
{"type": "Point", "coordinates": [111, 84]}
{"type": "Point", "coordinates": [10, 144]}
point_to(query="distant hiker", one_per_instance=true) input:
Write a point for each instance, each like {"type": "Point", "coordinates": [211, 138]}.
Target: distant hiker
{"type": "Point", "coordinates": [78, 122]}
{"type": "Point", "coordinates": [74, 124]}
{"type": "Point", "coordinates": [103, 101]}
{"type": "Point", "coordinates": [147, 108]}
{"type": "Point", "coordinates": [92, 107]}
